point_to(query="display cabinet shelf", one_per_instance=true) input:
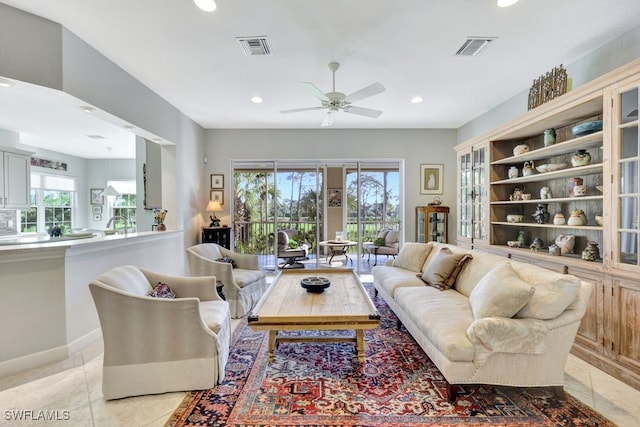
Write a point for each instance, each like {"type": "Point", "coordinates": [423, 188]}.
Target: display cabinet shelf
{"type": "Point", "coordinates": [554, 200]}
{"type": "Point", "coordinates": [535, 224]}
{"type": "Point", "coordinates": [586, 142]}
{"type": "Point", "coordinates": [562, 173]}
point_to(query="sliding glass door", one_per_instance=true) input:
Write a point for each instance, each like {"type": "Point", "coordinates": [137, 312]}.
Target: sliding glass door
{"type": "Point", "coordinates": [315, 198]}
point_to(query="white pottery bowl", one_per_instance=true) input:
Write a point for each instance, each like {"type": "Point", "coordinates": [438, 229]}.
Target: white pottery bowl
{"type": "Point", "coordinates": [550, 167]}
{"type": "Point", "coordinates": [513, 244]}
{"type": "Point", "coordinates": [515, 218]}
{"type": "Point", "coordinates": [520, 149]}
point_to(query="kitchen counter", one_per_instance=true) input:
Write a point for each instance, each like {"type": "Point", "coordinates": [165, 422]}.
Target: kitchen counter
{"type": "Point", "coordinates": [47, 309]}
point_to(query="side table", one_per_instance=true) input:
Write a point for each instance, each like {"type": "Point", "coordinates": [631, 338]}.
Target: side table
{"type": "Point", "coordinates": [219, 235]}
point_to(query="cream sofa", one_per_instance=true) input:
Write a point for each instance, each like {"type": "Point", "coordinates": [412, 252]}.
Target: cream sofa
{"type": "Point", "coordinates": [516, 329]}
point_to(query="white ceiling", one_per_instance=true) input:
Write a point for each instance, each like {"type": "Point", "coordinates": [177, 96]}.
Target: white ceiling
{"type": "Point", "coordinates": [192, 59]}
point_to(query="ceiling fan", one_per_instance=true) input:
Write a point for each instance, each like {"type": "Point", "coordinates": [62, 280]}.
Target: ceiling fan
{"type": "Point", "coordinates": [335, 101]}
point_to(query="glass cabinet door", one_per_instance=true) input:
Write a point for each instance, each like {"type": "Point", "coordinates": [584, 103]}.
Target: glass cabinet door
{"type": "Point", "coordinates": [627, 182]}
{"type": "Point", "coordinates": [472, 195]}
{"type": "Point", "coordinates": [479, 194]}
{"type": "Point", "coordinates": [465, 192]}
{"type": "Point", "coordinates": [420, 224]}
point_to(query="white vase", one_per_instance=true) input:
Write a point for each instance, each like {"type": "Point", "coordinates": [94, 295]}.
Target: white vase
{"type": "Point", "coordinates": [566, 242]}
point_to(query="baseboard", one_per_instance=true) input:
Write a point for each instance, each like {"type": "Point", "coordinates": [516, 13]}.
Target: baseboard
{"type": "Point", "coordinates": [34, 360]}
{"type": "Point", "coordinates": [82, 342]}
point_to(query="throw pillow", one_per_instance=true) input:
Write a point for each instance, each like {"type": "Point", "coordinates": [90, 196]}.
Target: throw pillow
{"type": "Point", "coordinates": [162, 290]}
{"type": "Point", "coordinates": [228, 260]}
{"type": "Point", "coordinates": [412, 256]}
{"type": "Point", "coordinates": [554, 292]}
{"type": "Point", "coordinates": [500, 293]}
{"type": "Point", "coordinates": [444, 269]}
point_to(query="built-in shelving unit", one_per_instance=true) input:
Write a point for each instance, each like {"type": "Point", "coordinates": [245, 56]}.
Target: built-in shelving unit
{"type": "Point", "coordinates": [609, 335]}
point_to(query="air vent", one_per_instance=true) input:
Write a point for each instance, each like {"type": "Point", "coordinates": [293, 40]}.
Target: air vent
{"type": "Point", "coordinates": [252, 46]}
{"type": "Point", "coordinates": [473, 45]}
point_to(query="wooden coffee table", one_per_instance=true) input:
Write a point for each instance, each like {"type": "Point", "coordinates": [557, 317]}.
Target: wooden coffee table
{"type": "Point", "coordinates": [287, 306]}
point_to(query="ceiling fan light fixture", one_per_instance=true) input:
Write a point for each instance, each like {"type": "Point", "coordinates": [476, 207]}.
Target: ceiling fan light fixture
{"type": "Point", "coordinates": [506, 3]}
{"type": "Point", "coordinates": [206, 5]}
{"type": "Point", "coordinates": [417, 99]}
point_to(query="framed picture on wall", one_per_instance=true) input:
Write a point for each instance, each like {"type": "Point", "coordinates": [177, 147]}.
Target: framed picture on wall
{"type": "Point", "coordinates": [96, 209]}
{"type": "Point", "coordinates": [97, 217]}
{"type": "Point", "coordinates": [217, 181]}
{"type": "Point", "coordinates": [217, 196]}
{"type": "Point", "coordinates": [431, 178]}
{"type": "Point", "coordinates": [334, 198]}
{"type": "Point", "coordinates": [96, 196]}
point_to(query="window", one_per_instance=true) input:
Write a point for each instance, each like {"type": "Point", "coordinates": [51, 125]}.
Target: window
{"type": "Point", "coordinates": [123, 205]}
{"type": "Point", "coordinates": [29, 217]}
{"type": "Point", "coordinates": [52, 203]}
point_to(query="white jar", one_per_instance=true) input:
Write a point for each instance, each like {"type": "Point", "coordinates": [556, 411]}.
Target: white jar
{"type": "Point", "coordinates": [513, 172]}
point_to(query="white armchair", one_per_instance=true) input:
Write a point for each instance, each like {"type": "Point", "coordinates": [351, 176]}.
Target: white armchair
{"type": "Point", "coordinates": [243, 286]}
{"type": "Point", "coordinates": [156, 345]}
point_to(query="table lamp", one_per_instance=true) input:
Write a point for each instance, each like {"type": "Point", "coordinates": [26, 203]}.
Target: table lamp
{"type": "Point", "coordinates": [214, 207]}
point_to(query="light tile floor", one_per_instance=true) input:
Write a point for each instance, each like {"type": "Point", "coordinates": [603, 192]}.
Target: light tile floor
{"type": "Point", "coordinates": [74, 385]}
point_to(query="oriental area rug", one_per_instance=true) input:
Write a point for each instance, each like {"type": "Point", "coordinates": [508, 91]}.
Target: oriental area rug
{"type": "Point", "coordinates": [322, 384]}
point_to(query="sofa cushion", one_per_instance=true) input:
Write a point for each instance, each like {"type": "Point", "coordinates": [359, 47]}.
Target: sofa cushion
{"type": "Point", "coordinates": [442, 316]}
{"type": "Point", "coordinates": [442, 271]}
{"type": "Point", "coordinates": [389, 278]}
{"type": "Point", "coordinates": [412, 256]}
{"type": "Point", "coordinates": [500, 293]}
{"type": "Point", "coordinates": [475, 270]}
{"type": "Point", "coordinates": [554, 291]}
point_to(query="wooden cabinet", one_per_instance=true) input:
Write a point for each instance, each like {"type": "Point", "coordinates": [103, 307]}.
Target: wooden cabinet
{"type": "Point", "coordinates": [432, 224]}
{"type": "Point", "coordinates": [15, 179]}
{"type": "Point", "coordinates": [219, 235]}
{"type": "Point", "coordinates": [609, 334]}
{"type": "Point", "coordinates": [472, 219]}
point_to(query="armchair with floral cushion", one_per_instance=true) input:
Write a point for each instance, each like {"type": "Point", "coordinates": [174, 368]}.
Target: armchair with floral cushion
{"type": "Point", "coordinates": [161, 333]}
{"type": "Point", "coordinates": [243, 283]}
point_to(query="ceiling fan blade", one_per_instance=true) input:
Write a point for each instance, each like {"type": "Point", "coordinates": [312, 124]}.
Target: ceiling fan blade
{"type": "Point", "coordinates": [366, 92]}
{"type": "Point", "coordinates": [369, 112]}
{"type": "Point", "coordinates": [297, 110]}
{"type": "Point", "coordinates": [328, 119]}
{"type": "Point", "coordinates": [313, 90]}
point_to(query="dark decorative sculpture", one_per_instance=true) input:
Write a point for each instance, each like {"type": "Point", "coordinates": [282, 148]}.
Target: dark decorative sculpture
{"type": "Point", "coordinates": [547, 87]}
{"type": "Point", "coordinates": [541, 214]}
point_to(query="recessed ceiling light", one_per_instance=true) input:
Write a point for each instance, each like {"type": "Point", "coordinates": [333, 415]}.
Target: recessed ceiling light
{"type": "Point", "coordinates": [256, 100]}
{"type": "Point", "coordinates": [129, 128]}
{"type": "Point", "coordinates": [87, 109]}
{"type": "Point", "coordinates": [5, 83]}
{"type": "Point", "coordinates": [157, 140]}
{"type": "Point", "coordinates": [206, 5]}
{"type": "Point", "coordinates": [506, 3]}
{"type": "Point", "coordinates": [417, 99]}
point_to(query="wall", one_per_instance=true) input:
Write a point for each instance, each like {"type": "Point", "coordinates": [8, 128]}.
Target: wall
{"type": "Point", "coordinates": [42, 52]}
{"type": "Point", "coordinates": [608, 57]}
{"type": "Point", "coordinates": [415, 146]}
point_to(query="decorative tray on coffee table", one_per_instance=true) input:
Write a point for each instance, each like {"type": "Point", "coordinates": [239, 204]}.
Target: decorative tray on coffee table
{"type": "Point", "coordinates": [315, 284]}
